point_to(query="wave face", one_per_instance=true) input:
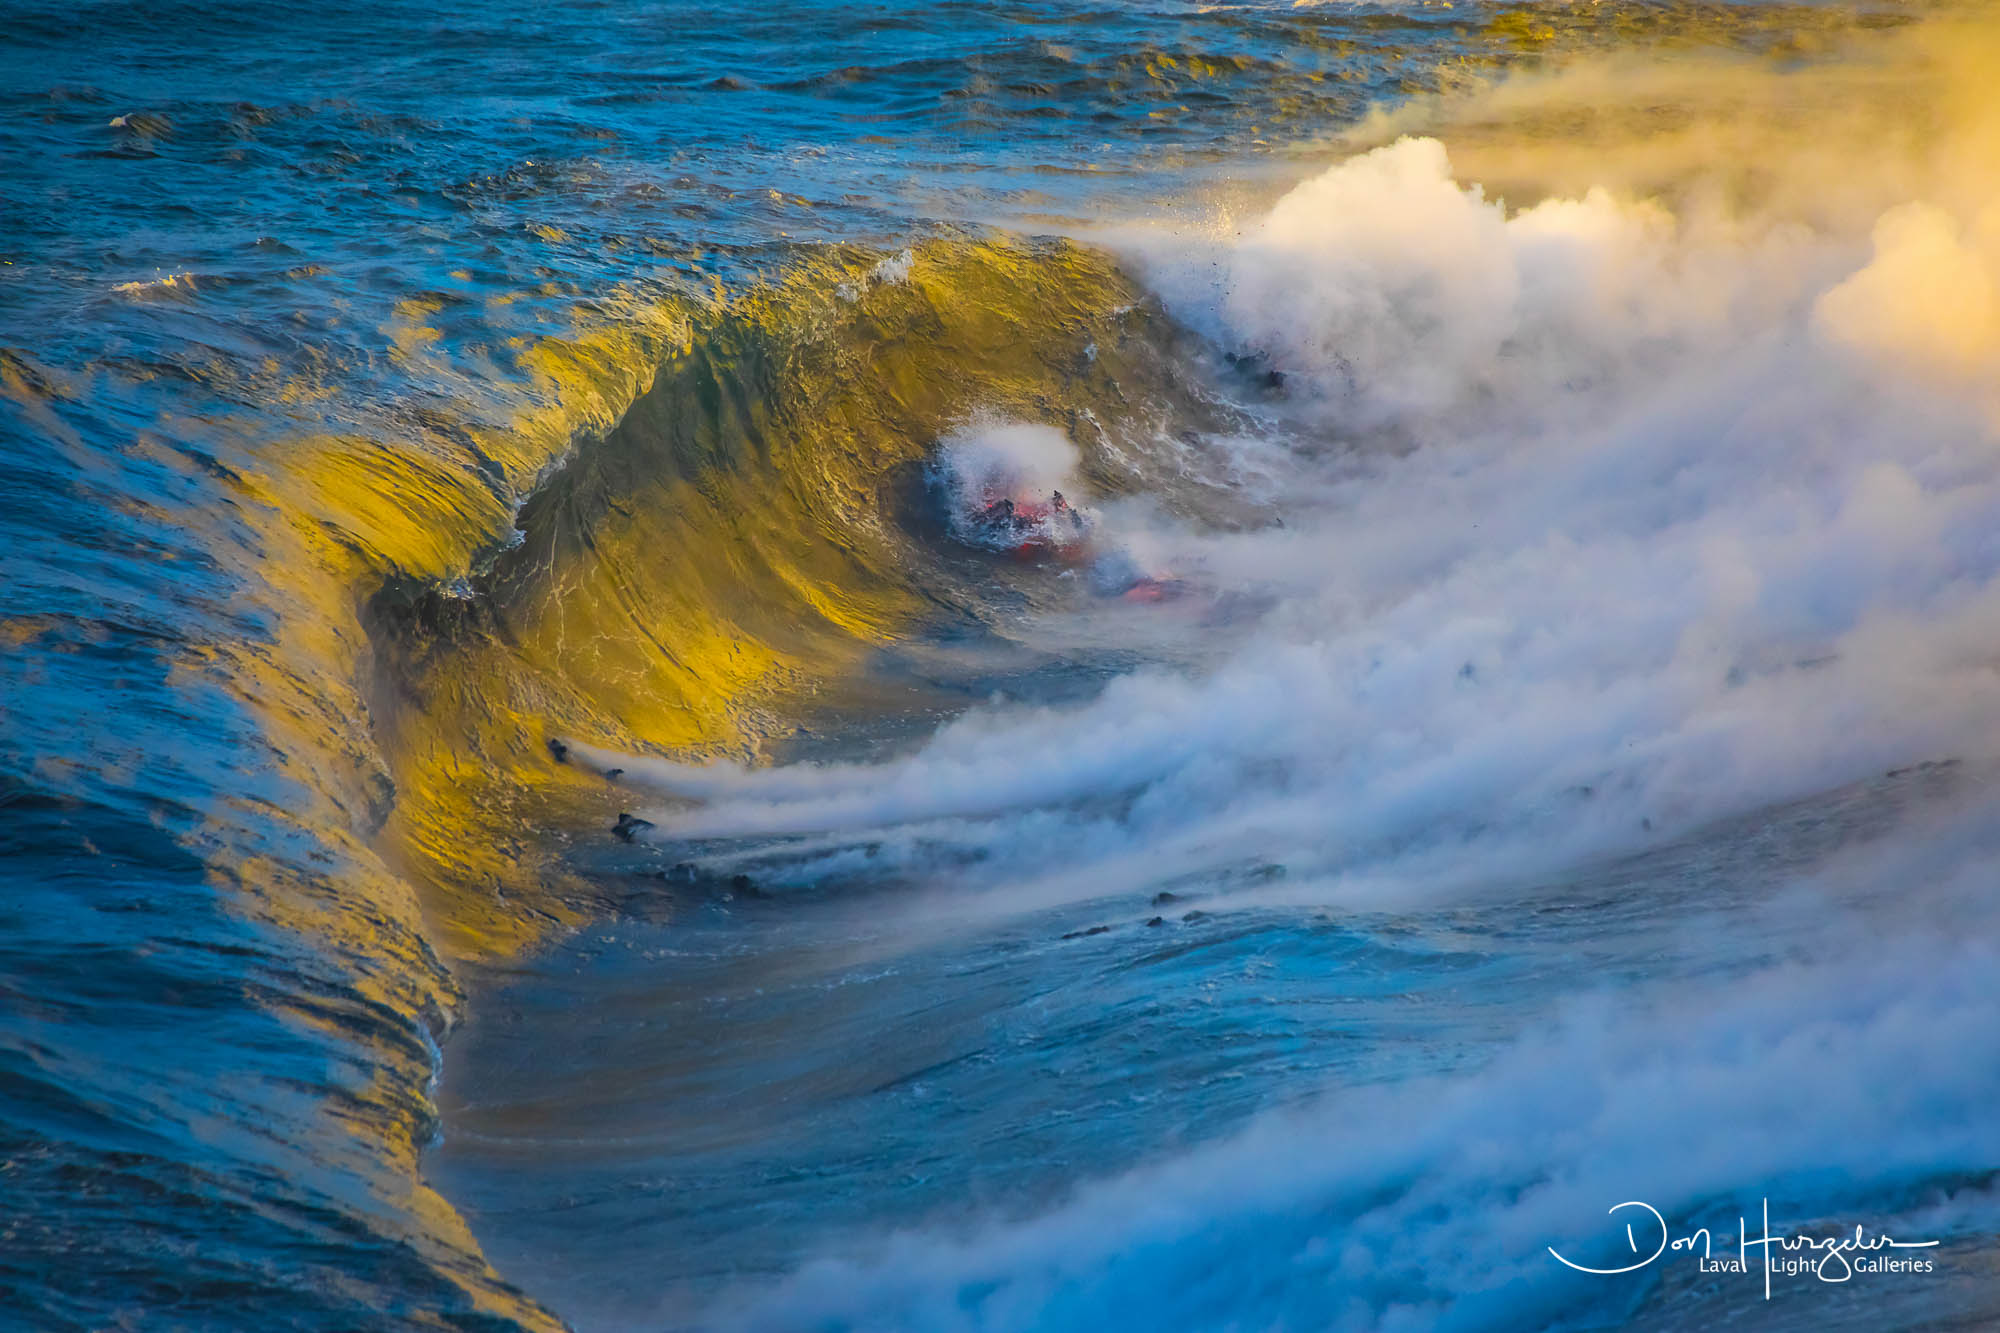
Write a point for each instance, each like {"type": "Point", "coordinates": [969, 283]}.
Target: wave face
{"type": "Point", "coordinates": [1499, 721]}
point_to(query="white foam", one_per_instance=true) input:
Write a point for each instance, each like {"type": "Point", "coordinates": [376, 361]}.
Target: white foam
{"type": "Point", "coordinates": [1669, 529]}
{"type": "Point", "coordinates": [1627, 512]}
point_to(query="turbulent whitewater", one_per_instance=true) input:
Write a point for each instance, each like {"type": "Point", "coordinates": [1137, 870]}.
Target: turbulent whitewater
{"type": "Point", "coordinates": [997, 667]}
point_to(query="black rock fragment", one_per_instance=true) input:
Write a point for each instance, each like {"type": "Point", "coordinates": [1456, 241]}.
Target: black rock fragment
{"type": "Point", "coordinates": [630, 827]}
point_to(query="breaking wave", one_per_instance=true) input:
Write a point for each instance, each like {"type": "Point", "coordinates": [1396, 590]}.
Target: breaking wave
{"type": "Point", "coordinates": [1570, 527]}
{"type": "Point", "coordinates": [1568, 471]}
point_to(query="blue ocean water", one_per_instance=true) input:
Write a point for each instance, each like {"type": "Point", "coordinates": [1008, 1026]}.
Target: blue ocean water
{"type": "Point", "coordinates": [1510, 732]}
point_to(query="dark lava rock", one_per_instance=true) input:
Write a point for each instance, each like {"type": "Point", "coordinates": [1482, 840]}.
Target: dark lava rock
{"type": "Point", "coordinates": [629, 827]}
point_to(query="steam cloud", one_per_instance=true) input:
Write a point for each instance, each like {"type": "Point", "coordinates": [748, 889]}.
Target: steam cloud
{"type": "Point", "coordinates": [1634, 518]}
{"type": "Point", "coordinates": [1628, 507]}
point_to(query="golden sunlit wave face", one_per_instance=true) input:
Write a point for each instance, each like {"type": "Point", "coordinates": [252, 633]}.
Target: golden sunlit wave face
{"type": "Point", "coordinates": [688, 577]}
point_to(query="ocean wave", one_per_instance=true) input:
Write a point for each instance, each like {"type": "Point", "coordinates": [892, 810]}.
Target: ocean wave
{"type": "Point", "coordinates": [1476, 541]}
